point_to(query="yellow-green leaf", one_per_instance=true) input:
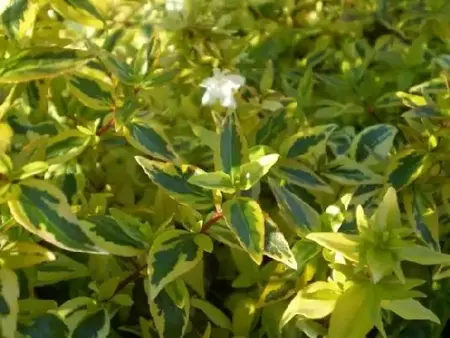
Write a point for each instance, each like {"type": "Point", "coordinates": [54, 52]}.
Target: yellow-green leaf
{"type": "Point", "coordinates": [316, 301]}
{"type": "Point", "coordinates": [9, 307]}
{"type": "Point", "coordinates": [347, 245]}
{"type": "Point", "coordinates": [250, 173]}
{"type": "Point", "coordinates": [41, 63]}
{"type": "Point", "coordinates": [355, 312]}
{"type": "Point", "coordinates": [421, 255]}
{"type": "Point", "coordinates": [245, 218]}
{"type": "Point", "coordinates": [410, 309]}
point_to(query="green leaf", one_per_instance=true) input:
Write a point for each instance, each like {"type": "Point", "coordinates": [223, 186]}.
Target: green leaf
{"type": "Point", "coordinates": [406, 167]}
{"type": "Point", "coordinates": [355, 312]}
{"type": "Point", "coordinates": [171, 315]}
{"type": "Point", "coordinates": [18, 19]}
{"type": "Point", "coordinates": [231, 145]}
{"type": "Point", "coordinates": [9, 308]}
{"type": "Point", "coordinates": [41, 63]}
{"type": "Point", "coordinates": [111, 236]}
{"type": "Point", "coordinates": [307, 143]}
{"type": "Point", "coordinates": [421, 255]}
{"type": "Point", "coordinates": [96, 324]}
{"type": "Point", "coordinates": [78, 309]}
{"type": "Point", "coordinates": [47, 325]}
{"type": "Point", "coordinates": [215, 315]}
{"type": "Point", "coordinates": [43, 210]}
{"type": "Point", "coordinates": [81, 11]}
{"type": "Point", "coordinates": [347, 172]}
{"type": "Point", "coordinates": [66, 146]}
{"type": "Point", "coordinates": [215, 180]}
{"type": "Point", "coordinates": [315, 301]}
{"type": "Point", "coordinates": [302, 176]}
{"type": "Point", "coordinates": [19, 255]}
{"type": "Point", "coordinates": [340, 140]}
{"type": "Point", "coordinates": [245, 218]}
{"type": "Point", "coordinates": [347, 245]}
{"type": "Point", "coordinates": [373, 144]}
{"type": "Point", "coordinates": [61, 269]}
{"type": "Point", "coordinates": [276, 246]}
{"type": "Point", "coordinates": [175, 181]}
{"type": "Point", "coordinates": [252, 172]}
{"type": "Point", "coordinates": [410, 309]}
{"type": "Point", "coordinates": [31, 169]}
{"type": "Point", "coordinates": [149, 137]}
{"type": "Point", "coordinates": [172, 254]}
{"type": "Point", "coordinates": [302, 215]}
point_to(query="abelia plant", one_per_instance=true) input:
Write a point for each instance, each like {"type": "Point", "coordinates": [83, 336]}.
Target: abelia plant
{"type": "Point", "coordinates": [223, 168]}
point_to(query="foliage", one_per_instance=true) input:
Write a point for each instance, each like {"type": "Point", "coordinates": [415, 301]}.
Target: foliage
{"type": "Point", "coordinates": [224, 168]}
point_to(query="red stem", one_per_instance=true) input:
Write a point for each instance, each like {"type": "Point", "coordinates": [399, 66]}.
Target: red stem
{"type": "Point", "coordinates": [105, 128]}
{"type": "Point", "coordinates": [214, 219]}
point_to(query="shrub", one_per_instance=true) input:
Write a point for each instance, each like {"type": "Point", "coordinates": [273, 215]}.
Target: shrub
{"type": "Point", "coordinates": [224, 168]}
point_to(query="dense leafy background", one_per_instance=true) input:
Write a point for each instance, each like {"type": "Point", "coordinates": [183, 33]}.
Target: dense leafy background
{"type": "Point", "coordinates": [319, 206]}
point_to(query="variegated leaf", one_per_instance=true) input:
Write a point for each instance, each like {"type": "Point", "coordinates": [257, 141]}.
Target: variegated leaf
{"type": "Point", "coordinates": [302, 176]}
{"type": "Point", "coordinates": [245, 218]}
{"type": "Point", "coordinates": [81, 11]}
{"type": "Point", "coordinates": [41, 63]}
{"type": "Point", "coordinates": [175, 181]}
{"type": "Point", "coordinates": [112, 237]}
{"type": "Point", "coordinates": [149, 137]}
{"type": "Point", "coordinates": [170, 310]}
{"type": "Point", "coordinates": [373, 144]}
{"type": "Point", "coordinates": [347, 172]}
{"type": "Point", "coordinates": [295, 210]}
{"type": "Point", "coordinates": [232, 145]}
{"type": "Point", "coordinates": [43, 210]}
{"type": "Point", "coordinates": [9, 306]}
{"type": "Point", "coordinates": [49, 324]}
{"type": "Point", "coordinates": [18, 19]}
{"type": "Point", "coordinates": [173, 253]}
{"type": "Point", "coordinates": [407, 166]}
{"type": "Point", "coordinates": [62, 268]}
{"type": "Point", "coordinates": [276, 246]}
{"type": "Point", "coordinates": [66, 146]}
{"type": "Point", "coordinates": [307, 143]}
{"type": "Point", "coordinates": [95, 324]}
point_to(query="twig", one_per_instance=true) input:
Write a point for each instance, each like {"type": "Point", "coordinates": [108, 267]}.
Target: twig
{"type": "Point", "coordinates": [130, 279]}
{"type": "Point", "coordinates": [106, 127]}
{"type": "Point", "coordinates": [214, 219]}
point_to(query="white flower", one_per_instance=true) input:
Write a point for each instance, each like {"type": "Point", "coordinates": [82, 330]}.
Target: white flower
{"type": "Point", "coordinates": [174, 5]}
{"type": "Point", "coordinates": [221, 87]}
